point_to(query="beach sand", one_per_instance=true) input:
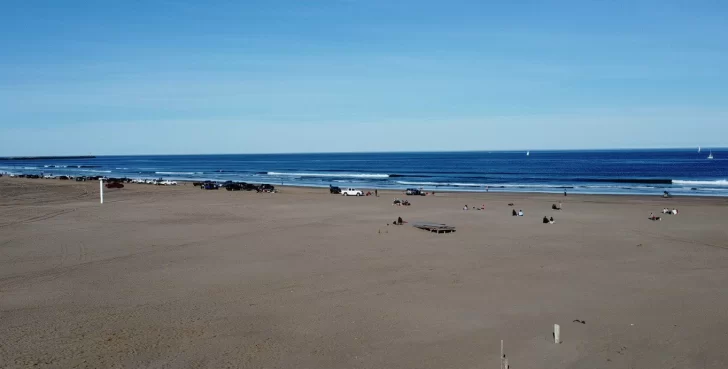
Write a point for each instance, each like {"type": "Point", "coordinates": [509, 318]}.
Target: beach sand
{"type": "Point", "coordinates": [173, 277]}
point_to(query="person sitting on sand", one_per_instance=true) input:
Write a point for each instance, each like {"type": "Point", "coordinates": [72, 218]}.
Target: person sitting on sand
{"type": "Point", "coordinates": [514, 213]}
{"type": "Point", "coordinates": [653, 217]}
{"type": "Point", "coordinates": [520, 213]}
{"type": "Point", "coordinates": [399, 221]}
{"type": "Point", "coordinates": [665, 210]}
{"type": "Point", "coordinates": [545, 220]}
{"type": "Point", "coordinates": [465, 207]}
{"type": "Point", "coordinates": [551, 220]}
{"type": "Point", "coordinates": [674, 211]}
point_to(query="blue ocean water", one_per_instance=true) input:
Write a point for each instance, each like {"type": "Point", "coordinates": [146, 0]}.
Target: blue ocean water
{"type": "Point", "coordinates": [684, 172]}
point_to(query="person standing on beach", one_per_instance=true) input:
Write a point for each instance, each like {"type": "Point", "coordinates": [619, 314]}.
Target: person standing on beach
{"type": "Point", "coordinates": [376, 193]}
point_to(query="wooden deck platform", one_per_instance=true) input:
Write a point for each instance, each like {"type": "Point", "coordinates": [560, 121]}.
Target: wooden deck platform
{"type": "Point", "coordinates": [434, 227]}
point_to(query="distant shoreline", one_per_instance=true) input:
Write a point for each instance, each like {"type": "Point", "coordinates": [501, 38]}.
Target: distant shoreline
{"type": "Point", "coordinates": [47, 157]}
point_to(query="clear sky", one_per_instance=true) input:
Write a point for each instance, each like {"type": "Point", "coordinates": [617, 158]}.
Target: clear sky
{"type": "Point", "coordinates": [146, 77]}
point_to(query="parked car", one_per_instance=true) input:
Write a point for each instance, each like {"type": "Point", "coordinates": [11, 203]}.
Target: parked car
{"type": "Point", "coordinates": [233, 187]}
{"type": "Point", "coordinates": [334, 190]}
{"type": "Point", "coordinates": [167, 183]}
{"type": "Point", "coordinates": [209, 186]}
{"type": "Point", "coordinates": [249, 187]}
{"type": "Point", "coordinates": [414, 192]}
{"type": "Point", "coordinates": [352, 192]}
{"type": "Point", "coordinates": [114, 185]}
{"type": "Point", "coordinates": [80, 179]}
{"type": "Point", "coordinates": [266, 188]}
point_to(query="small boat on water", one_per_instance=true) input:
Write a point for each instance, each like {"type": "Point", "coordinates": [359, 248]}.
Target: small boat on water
{"type": "Point", "coordinates": [528, 153]}
{"type": "Point", "coordinates": [710, 157]}
{"type": "Point", "coordinates": [698, 149]}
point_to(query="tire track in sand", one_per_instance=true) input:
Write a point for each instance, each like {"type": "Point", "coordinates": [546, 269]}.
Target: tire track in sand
{"type": "Point", "coordinates": [38, 218]}
{"type": "Point", "coordinates": [58, 271]}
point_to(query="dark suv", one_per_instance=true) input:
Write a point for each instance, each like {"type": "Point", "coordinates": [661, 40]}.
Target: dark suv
{"type": "Point", "coordinates": [334, 190]}
{"type": "Point", "coordinates": [233, 187]}
{"type": "Point", "coordinates": [209, 186]}
{"type": "Point", "coordinates": [266, 188]}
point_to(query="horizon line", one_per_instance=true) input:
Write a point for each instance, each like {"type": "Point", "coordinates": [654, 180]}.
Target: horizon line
{"type": "Point", "coordinates": [21, 157]}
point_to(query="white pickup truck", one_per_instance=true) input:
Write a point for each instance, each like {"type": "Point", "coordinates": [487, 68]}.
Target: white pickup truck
{"type": "Point", "coordinates": [351, 192]}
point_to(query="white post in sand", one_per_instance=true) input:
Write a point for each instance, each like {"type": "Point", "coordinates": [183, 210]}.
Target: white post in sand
{"type": "Point", "coordinates": [101, 189]}
{"type": "Point", "coordinates": [501, 356]}
{"type": "Point", "coordinates": [557, 333]}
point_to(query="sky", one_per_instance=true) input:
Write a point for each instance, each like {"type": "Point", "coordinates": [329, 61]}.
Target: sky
{"type": "Point", "coordinates": [185, 77]}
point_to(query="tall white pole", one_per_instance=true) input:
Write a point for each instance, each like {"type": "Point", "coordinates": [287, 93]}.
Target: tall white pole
{"type": "Point", "coordinates": [101, 189]}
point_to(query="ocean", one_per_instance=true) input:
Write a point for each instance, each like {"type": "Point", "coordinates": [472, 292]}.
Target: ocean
{"type": "Point", "coordinates": [644, 172]}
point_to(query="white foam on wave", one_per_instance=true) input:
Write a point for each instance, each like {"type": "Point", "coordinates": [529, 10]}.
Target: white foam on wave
{"type": "Point", "coordinates": [447, 184]}
{"type": "Point", "coordinates": [530, 186]}
{"type": "Point", "coordinates": [442, 184]}
{"type": "Point", "coordinates": [721, 182]}
{"type": "Point", "coordinates": [421, 183]}
{"type": "Point", "coordinates": [179, 173]}
{"type": "Point", "coordinates": [347, 175]}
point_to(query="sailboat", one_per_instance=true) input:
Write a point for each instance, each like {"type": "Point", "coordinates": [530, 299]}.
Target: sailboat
{"type": "Point", "coordinates": [698, 149]}
{"type": "Point", "coordinates": [528, 153]}
{"type": "Point", "coordinates": [711, 155]}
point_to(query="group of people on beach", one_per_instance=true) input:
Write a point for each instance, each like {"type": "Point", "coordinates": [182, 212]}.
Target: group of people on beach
{"type": "Point", "coordinates": [664, 211]}
{"type": "Point", "coordinates": [399, 202]}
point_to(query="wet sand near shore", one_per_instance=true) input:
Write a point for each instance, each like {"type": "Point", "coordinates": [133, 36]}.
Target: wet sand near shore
{"type": "Point", "coordinates": [175, 277]}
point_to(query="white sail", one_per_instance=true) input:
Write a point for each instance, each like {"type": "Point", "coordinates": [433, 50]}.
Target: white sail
{"type": "Point", "coordinates": [711, 155]}
{"type": "Point", "coordinates": [698, 148]}
{"type": "Point", "coordinates": [528, 153]}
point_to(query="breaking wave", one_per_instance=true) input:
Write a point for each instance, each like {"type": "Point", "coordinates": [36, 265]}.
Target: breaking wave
{"type": "Point", "coordinates": [346, 175]}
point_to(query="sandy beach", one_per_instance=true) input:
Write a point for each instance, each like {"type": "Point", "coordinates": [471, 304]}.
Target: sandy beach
{"type": "Point", "coordinates": [177, 277]}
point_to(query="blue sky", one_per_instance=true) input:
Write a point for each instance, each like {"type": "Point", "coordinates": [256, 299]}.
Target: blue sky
{"type": "Point", "coordinates": [145, 77]}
